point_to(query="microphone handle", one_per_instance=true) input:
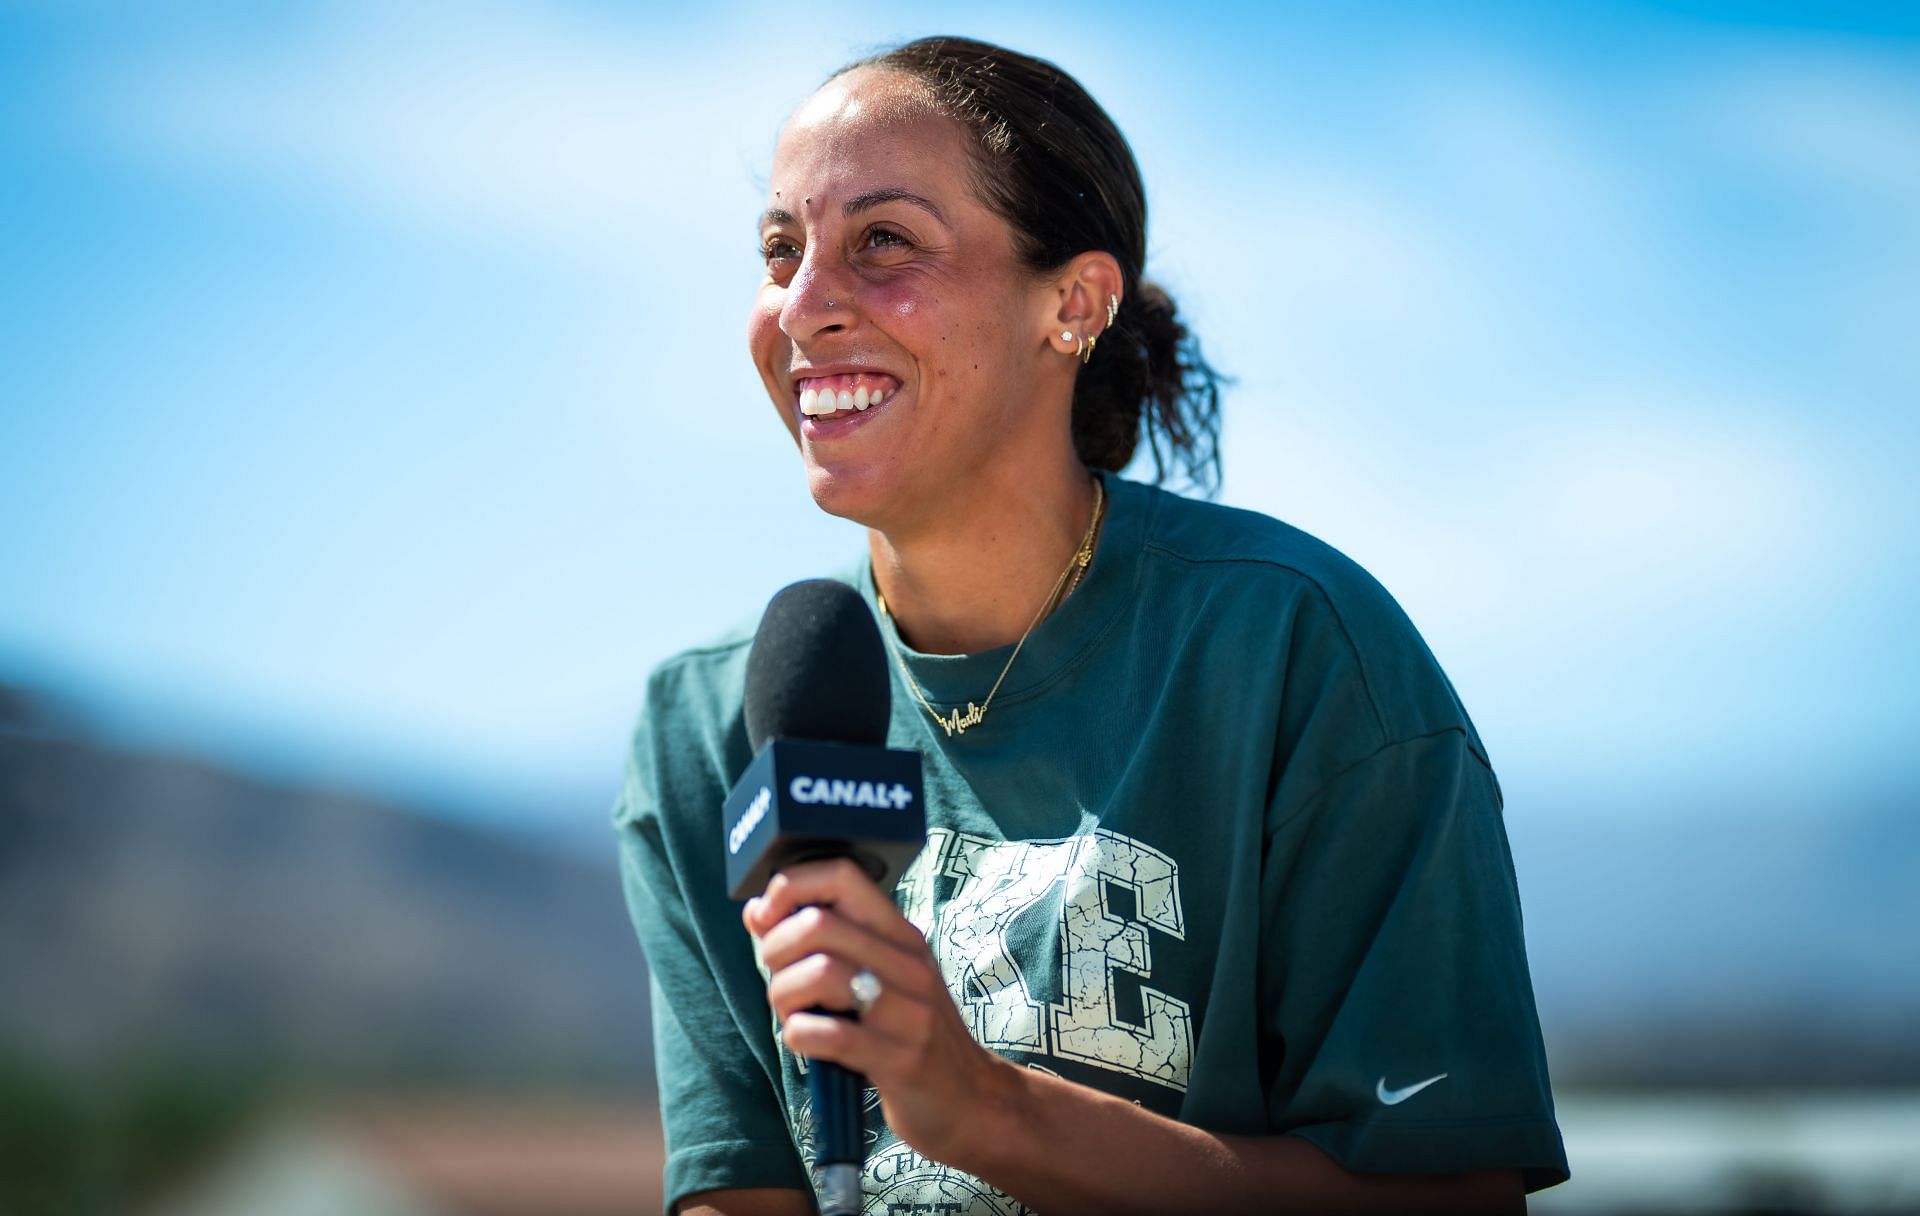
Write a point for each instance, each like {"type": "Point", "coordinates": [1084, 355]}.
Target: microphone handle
{"type": "Point", "coordinates": [839, 1120]}
{"type": "Point", "coordinates": [839, 1132]}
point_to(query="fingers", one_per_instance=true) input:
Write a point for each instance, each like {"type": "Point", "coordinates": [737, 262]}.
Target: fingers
{"type": "Point", "coordinates": [885, 1031]}
{"type": "Point", "coordinates": [825, 931]}
{"type": "Point", "coordinates": [818, 1036]}
{"type": "Point", "coordinates": [819, 923]}
{"type": "Point", "coordinates": [892, 1043]}
{"type": "Point", "coordinates": [881, 1043]}
{"type": "Point", "coordinates": [821, 981]}
{"type": "Point", "coordinates": [839, 884]}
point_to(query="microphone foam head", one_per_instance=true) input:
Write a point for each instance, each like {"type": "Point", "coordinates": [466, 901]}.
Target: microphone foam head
{"type": "Point", "coordinates": [818, 669]}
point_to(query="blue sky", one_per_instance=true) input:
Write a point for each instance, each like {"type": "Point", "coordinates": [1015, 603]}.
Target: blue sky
{"type": "Point", "coordinates": [374, 402]}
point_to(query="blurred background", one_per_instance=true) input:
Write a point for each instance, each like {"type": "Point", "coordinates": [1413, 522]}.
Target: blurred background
{"type": "Point", "coordinates": [374, 413]}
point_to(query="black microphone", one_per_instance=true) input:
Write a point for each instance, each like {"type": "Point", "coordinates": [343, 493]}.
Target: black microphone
{"type": "Point", "coordinates": [823, 783]}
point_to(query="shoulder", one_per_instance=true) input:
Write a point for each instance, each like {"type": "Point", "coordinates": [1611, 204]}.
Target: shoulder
{"type": "Point", "coordinates": [700, 682]}
{"type": "Point", "coordinates": [706, 683]}
{"type": "Point", "coordinates": [1233, 539]}
{"type": "Point", "coordinates": [1257, 577]}
{"type": "Point", "coordinates": [689, 738]}
{"type": "Point", "coordinates": [689, 731]}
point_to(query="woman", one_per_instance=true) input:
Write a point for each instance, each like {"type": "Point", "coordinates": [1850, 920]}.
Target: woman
{"type": "Point", "coordinates": [1216, 912]}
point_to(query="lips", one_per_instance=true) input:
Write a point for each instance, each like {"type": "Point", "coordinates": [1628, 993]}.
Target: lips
{"type": "Point", "coordinates": [827, 396]}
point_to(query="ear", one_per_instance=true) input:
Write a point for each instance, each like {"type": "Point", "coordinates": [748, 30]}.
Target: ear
{"type": "Point", "coordinates": [1080, 295]}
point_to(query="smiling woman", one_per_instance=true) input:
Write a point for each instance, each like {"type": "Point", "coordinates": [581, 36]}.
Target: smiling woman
{"type": "Point", "coordinates": [1216, 911]}
{"type": "Point", "coordinates": [935, 252]}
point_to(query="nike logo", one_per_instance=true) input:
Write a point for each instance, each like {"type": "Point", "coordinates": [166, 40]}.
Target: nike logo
{"type": "Point", "coordinates": [1394, 1097]}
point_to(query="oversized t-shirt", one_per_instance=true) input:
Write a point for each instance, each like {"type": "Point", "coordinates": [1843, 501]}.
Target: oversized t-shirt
{"type": "Point", "coordinates": [1226, 845]}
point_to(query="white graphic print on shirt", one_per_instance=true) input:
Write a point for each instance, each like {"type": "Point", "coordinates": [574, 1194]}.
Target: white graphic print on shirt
{"type": "Point", "coordinates": [998, 880]}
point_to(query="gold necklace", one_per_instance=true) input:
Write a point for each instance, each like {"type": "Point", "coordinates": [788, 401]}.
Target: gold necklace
{"type": "Point", "coordinates": [954, 722]}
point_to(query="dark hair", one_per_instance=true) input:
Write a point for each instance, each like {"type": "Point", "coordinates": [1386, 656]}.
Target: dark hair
{"type": "Point", "coordinates": [1051, 162]}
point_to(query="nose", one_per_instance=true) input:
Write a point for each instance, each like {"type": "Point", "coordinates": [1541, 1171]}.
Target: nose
{"type": "Point", "coordinates": [819, 298]}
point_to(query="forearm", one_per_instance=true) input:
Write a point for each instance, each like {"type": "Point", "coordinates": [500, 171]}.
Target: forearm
{"type": "Point", "coordinates": [757, 1201]}
{"type": "Point", "coordinates": [1062, 1148]}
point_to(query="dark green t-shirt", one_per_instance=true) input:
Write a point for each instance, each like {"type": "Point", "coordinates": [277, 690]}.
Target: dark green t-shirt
{"type": "Point", "coordinates": [1227, 845]}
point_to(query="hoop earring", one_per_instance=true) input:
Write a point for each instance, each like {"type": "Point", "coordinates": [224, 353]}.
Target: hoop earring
{"type": "Point", "coordinates": [1113, 309]}
{"type": "Point", "coordinates": [1087, 357]}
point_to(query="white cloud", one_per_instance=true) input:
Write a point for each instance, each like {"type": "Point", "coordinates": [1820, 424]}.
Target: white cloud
{"type": "Point", "coordinates": [1676, 495]}
{"type": "Point", "coordinates": [1833, 120]}
{"type": "Point", "coordinates": [1633, 523]}
{"type": "Point", "coordinates": [484, 121]}
{"type": "Point", "coordinates": [1506, 141]}
{"type": "Point", "coordinates": [1645, 588]}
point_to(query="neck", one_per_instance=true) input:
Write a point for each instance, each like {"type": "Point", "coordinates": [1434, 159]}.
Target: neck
{"type": "Point", "coordinates": [973, 578]}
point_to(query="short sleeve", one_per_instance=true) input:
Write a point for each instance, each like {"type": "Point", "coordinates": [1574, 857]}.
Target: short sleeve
{"type": "Point", "coordinates": [713, 1052]}
{"type": "Point", "coordinates": [1397, 1005]}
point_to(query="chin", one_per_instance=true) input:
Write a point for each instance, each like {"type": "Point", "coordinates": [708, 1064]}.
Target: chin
{"type": "Point", "coordinates": [860, 495]}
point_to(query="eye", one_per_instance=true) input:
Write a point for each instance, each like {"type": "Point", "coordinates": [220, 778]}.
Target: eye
{"type": "Point", "coordinates": [884, 237]}
{"type": "Point", "coordinates": [778, 249]}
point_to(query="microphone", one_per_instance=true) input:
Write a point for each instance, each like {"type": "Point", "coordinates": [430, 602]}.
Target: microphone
{"type": "Point", "coordinates": [823, 784]}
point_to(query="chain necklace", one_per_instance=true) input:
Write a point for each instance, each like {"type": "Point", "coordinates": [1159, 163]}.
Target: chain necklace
{"type": "Point", "coordinates": [954, 722]}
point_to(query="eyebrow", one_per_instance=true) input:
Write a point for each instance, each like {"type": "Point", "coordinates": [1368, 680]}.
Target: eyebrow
{"type": "Point", "coordinates": [890, 194]}
{"type": "Point", "coordinates": [859, 203]}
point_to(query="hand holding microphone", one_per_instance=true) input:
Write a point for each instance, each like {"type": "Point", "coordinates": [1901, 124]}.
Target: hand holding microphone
{"type": "Point", "coordinates": [820, 924]}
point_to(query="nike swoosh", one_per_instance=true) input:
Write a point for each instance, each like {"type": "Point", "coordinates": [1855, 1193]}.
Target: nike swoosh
{"type": "Point", "coordinates": [1394, 1097]}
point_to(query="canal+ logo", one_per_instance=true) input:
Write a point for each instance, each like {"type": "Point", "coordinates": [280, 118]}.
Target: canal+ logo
{"type": "Point", "coordinates": [839, 792]}
{"type": "Point", "coordinates": [749, 819]}
{"type": "Point", "coordinates": [820, 791]}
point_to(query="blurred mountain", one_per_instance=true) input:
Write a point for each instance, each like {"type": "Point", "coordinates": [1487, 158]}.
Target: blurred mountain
{"type": "Point", "coordinates": [1725, 948]}
{"type": "Point", "coordinates": [160, 904]}
{"type": "Point", "coordinates": [154, 901]}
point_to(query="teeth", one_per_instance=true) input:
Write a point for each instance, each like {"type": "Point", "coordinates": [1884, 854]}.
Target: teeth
{"type": "Point", "coordinates": [816, 403]}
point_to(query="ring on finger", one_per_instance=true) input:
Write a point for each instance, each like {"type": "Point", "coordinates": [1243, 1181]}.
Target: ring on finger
{"type": "Point", "coordinates": [865, 986]}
